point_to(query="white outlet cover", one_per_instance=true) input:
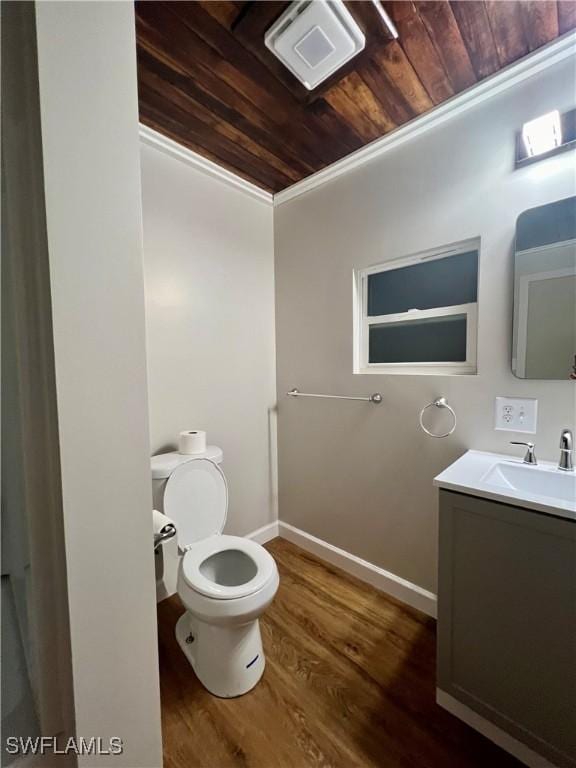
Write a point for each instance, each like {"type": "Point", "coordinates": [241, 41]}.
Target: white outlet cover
{"type": "Point", "coordinates": [516, 414]}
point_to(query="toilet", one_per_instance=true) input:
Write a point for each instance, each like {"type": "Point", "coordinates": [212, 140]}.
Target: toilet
{"type": "Point", "coordinates": [225, 582]}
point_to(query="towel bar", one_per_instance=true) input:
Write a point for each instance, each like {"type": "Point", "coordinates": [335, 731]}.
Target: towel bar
{"type": "Point", "coordinates": [375, 398]}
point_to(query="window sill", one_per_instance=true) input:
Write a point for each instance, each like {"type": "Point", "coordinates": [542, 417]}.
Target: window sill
{"type": "Point", "coordinates": [419, 370]}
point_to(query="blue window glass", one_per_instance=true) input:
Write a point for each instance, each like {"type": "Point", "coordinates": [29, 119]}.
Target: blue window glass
{"type": "Point", "coordinates": [430, 340]}
{"type": "Point", "coordinates": [444, 282]}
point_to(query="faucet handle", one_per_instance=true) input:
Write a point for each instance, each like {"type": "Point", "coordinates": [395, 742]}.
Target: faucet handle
{"type": "Point", "coordinates": [566, 464]}
{"type": "Point", "coordinates": [530, 457]}
{"type": "Point", "coordinates": [566, 440]}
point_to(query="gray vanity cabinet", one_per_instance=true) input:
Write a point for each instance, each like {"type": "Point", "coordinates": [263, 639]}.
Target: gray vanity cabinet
{"type": "Point", "coordinates": [507, 620]}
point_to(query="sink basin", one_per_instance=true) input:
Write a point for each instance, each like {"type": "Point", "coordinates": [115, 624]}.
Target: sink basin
{"type": "Point", "coordinates": [534, 481]}
{"type": "Point", "coordinates": [543, 488]}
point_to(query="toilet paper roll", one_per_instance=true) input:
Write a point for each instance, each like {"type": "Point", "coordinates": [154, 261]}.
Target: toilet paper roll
{"type": "Point", "coordinates": [160, 521]}
{"type": "Point", "coordinates": [192, 441]}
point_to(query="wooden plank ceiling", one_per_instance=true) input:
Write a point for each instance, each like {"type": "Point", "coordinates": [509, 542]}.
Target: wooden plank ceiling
{"type": "Point", "coordinates": [207, 80]}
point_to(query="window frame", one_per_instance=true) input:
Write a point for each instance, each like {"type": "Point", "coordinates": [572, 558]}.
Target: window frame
{"type": "Point", "coordinates": [362, 321]}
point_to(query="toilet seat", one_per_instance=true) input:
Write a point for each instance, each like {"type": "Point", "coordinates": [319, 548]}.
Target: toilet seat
{"type": "Point", "coordinates": [206, 568]}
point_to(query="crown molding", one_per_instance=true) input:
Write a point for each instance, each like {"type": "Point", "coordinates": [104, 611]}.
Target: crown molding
{"type": "Point", "coordinates": [179, 152]}
{"type": "Point", "coordinates": [507, 78]}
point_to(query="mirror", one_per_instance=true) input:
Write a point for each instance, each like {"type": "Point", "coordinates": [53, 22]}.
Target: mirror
{"type": "Point", "coordinates": [544, 334]}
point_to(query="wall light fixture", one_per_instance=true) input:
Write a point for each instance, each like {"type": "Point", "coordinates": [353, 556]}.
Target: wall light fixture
{"type": "Point", "coordinates": [545, 136]}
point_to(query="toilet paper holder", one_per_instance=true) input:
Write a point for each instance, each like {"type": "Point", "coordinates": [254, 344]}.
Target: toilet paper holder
{"type": "Point", "coordinates": [168, 532]}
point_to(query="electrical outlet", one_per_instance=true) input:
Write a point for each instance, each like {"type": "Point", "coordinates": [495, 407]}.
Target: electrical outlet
{"type": "Point", "coordinates": [515, 414]}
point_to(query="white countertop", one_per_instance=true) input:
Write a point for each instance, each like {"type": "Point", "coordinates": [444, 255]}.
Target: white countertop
{"type": "Point", "coordinates": [506, 479]}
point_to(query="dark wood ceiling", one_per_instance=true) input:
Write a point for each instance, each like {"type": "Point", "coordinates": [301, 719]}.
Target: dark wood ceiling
{"type": "Point", "coordinates": [207, 80]}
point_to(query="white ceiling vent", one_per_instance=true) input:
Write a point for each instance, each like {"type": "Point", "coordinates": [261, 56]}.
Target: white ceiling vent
{"type": "Point", "coordinates": [314, 38]}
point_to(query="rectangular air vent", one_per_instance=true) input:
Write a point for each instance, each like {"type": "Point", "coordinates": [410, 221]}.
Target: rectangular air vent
{"type": "Point", "coordinates": [313, 39]}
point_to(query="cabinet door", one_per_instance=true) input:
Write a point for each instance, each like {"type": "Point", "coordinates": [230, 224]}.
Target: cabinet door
{"type": "Point", "coordinates": [507, 619]}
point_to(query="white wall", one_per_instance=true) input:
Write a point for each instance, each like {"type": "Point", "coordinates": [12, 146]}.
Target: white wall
{"type": "Point", "coordinates": [209, 274]}
{"type": "Point", "coordinates": [360, 476]}
{"type": "Point", "coordinates": [89, 114]}
{"type": "Point", "coordinates": [37, 690]}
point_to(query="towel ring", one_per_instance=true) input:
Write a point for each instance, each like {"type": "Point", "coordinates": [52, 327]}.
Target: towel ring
{"type": "Point", "coordinates": [440, 402]}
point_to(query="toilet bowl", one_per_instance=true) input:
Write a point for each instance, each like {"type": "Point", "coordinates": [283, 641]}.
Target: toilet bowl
{"type": "Point", "coordinates": [225, 582]}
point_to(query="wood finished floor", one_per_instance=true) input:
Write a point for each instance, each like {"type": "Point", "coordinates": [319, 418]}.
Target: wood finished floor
{"type": "Point", "coordinates": [349, 681]}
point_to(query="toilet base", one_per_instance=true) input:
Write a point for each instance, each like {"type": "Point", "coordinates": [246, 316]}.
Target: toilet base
{"type": "Point", "coordinates": [228, 660]}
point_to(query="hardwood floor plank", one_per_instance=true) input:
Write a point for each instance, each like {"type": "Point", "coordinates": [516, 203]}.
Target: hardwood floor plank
{"type": "Point", "coordinates": [348, 592]}
{"type": "Point", "coordinates": [507, 24]}
{"type": "Point", "coordinates": [472, 19]}
{"type": "Point", "coordinates": [349, 683]}
{"type": "Point", "coordinates": [540, 22]}
{"type": "Point", "coordinates": [345, 708]}
{"type": "Point", "coordinates": [445, 34]}
{"type": "Point", "coordinates": [420, 50]}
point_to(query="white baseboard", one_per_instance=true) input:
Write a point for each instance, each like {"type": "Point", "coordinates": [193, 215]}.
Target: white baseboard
{"type": "Point", "coordinates": [265, 533]}
{"type": "Point", "coordinates": [493, 732]}
{"type": "Point", "coordinates": [387, 582]}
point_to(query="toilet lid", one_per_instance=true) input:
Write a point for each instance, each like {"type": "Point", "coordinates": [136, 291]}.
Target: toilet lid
{"type": "Point", "coordinates": [196, 499]}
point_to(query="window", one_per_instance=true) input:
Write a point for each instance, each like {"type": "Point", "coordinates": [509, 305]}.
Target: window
{"type": "Point", "coordinates": [419, 314]}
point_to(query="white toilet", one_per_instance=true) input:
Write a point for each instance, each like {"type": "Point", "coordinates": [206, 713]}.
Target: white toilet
{"type": "Point", "coordinates": [225, 582]}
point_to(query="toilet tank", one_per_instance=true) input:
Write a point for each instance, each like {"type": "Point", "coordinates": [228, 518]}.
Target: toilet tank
{"type": "Point", "coordinates": [164, 464]}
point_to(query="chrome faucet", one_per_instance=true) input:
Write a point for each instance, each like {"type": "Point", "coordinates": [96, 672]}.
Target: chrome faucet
{"type": "Point", "coordinates": [565, 462]}
{"type": "Point", "coordinates": [530, 457]}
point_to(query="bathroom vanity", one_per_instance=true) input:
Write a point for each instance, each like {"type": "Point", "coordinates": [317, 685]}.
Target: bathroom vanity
{"type": "Point", "coordinates": [507, 604]}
